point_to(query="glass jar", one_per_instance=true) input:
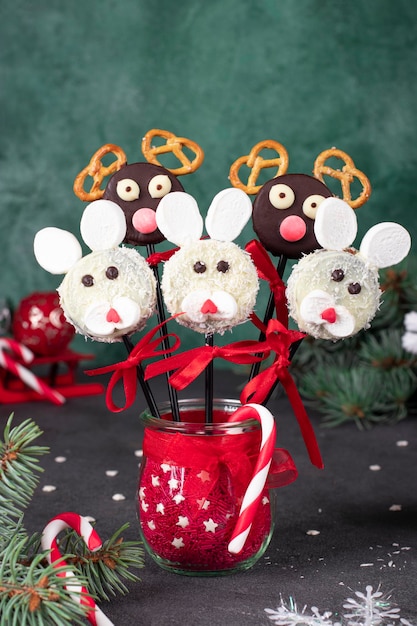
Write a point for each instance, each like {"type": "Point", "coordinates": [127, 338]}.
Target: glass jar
{"type": "Point", "coordinates": [192, 480]}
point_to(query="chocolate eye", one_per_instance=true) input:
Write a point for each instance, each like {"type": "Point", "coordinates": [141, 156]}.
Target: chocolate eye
{"type": "Point", "coordinates": [128, 189]}
{"type": "Point", "coordinates": [281, 196]}
{"type": "Point", "coordinates": [311, 204]}
{"type": "Point", "coordinates": [87, 280]}
{"type": "Point", "coordinates": [112, 272]}
{"type": "Point", "coordinates": [159, 186]}
{"type": "Point", "coordinates": [199, 267]}
{"type": "Point", "coordinates": [338, 275]}
{"type": "Point", "coordinates": [223, 266]}
{"type": "Point", "coordinates": [354, 288]}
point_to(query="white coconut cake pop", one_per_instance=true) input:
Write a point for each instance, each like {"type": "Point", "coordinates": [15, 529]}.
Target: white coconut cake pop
{"type": "Point", "coordinates": [333, 293]}
{"type": "Point", "coordinates": [212, 282]}
{"type": "Point", "coordinates": [110, 292]}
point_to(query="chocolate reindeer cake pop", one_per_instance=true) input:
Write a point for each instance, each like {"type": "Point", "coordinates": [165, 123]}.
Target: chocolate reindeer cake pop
{"type": "Point", "coordinates": [137, 188]}
{"type": "Point", "coordinates": [285, 207]}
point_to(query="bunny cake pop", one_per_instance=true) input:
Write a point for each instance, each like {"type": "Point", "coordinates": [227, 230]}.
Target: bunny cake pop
{"type": "Point", "coordinates": [110, 292]}
{"type": "Point", "coordinates": [212, 282]}
{"type": "Point", "coordinates": [138, 187]}
{"type": "Point", "coordinates": [285, 207]}
{"type": "Point", "coordinates": [334, 292]}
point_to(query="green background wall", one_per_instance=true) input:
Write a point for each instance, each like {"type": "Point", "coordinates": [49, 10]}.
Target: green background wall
{"type": "Point", "coordinates": [225, 73]}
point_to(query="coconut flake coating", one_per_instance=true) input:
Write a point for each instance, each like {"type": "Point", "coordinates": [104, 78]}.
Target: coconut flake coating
{"type": "Point", "coordinates": [333, 294]}
{"type": "Point", "coordinates": [108, 294]}
{"type": "Point", "coordinates": [214, 283]}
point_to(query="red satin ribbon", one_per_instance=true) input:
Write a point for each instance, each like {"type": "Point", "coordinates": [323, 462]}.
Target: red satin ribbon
{"type": "Point", "coordinates": [127, 370]}
{"type": "Point", "coordinates": [238, 452]}
{"type": "Point", "coordinates": [156, 258]}
{"type": "Point", "coordinates": [267, 271]}
{"type": "Point", "coordinates": [279, 339]}
{"type": "Point", "coordinates": [188, 365]}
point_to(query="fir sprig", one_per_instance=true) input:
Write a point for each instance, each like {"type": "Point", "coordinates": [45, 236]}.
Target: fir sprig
{"type": "Point", "coordinates": [32, 592]}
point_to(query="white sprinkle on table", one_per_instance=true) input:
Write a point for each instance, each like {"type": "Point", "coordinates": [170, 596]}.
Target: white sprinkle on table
{"type": "Point", "coordinates": [118, 497]}
{"type": "Point", "coordinates": [395, 507]}
{"type": "Point", "coordinates": [112, 473]}
{"type": "Point", "coordinates": [403, 443]}
{"type": "Point", "coordinates": [60, 459]}
{"type": "Point", "coordinates": [374, 468]}
{"type": "Point", "coordinates": [48, 488]}
{"type": "Point", "coordinates": [313, 532]}
{"type": "Point", "coordinates": [139, 453]}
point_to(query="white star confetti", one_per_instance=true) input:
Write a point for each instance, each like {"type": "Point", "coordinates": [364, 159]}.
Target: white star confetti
{"type": "Point", "coordinates": [203, 476]}
{"type": "Point", "coordinates": [178, 498]}
{"type": "Point", "coordinates": [155, 481]}
{"type": "Point", "coordinates": [203, 504]}
{"type": "Point", "coordinates": [151, 525]}
{"type": "Point", "coordinates": [173, 483]}
{"type": "Point", "coordinates": [142, 493]}
{"type": "Point", "coordinates": [165, 467]}
{"type": "Point", "coordinates": [210, 525]}
{"type": "Point", "coordinates": [160, 508]}
{"type": "Point", "coordinates": [178, 542]}
{"type": "Point", "coordinates": [265, 500]}
{"type": "Point", "coordinates": [144, 506]}
{"type": "Point", "coordinates": [182, 521]}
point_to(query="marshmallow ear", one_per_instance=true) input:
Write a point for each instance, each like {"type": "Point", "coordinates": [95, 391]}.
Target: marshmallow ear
{"type": "Point", "coordinates": [56, 250]}
{"type": "Point", "coordinates": [179, 219]}
{"type": "Point", "coordinates": [228, 214]}
{"type": "Point", "coordinates": [103, 225]}
{"type": "Point", "coordinates": [335, 225]}
{"type": "Point", "coordinates": [385, 244]}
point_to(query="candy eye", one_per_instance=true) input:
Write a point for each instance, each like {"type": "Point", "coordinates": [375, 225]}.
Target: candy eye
{"type": "Point", "coordinates": [338, 275]}
{"type": "Point", "coordinates": [223, 266]}
{"type": "Point", "coordinates": [311, 204]}
{"type": "Point", "coordinates": [87, 280]}
{"type": "Point", "coordinates": [128, 189]}
{"type": "Point", "coordinates": [159, 186]}
{"type": "Point", "coordinates": [199, 267]}
{"type": "Point", "coordinates": [112, 272]}
{"type": "Point", "coordinates": [281, 196]}
{"type": "Point", "coordinates": [354, 288]}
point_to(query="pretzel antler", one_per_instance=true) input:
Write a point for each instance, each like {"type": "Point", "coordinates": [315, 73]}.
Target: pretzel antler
{"type": "Point", "coordinates": [256, 163]}
{"type": "Point", "coordinates": [176, 146]}
{"type": "Point", "coordinates": [98, 172]}
{"type": "Point", "coordinates": [346, 176]}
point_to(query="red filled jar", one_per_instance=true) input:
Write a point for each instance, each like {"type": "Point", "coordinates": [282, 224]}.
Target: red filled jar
{"type": "Point", "coordinates": [191, 485]}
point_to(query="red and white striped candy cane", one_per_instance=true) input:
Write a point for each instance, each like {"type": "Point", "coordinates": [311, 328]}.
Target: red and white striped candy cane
{"type": "Point", "coordinates": [256, 486]}
{"type": "Point", "coordinates": [84, 529]}
{"type": "Point", "coordinates": [24, 354]}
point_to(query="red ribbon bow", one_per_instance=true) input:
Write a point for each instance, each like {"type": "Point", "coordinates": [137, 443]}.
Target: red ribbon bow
{"type": "Point", "coordinates": [188, 365]}
{"type": "Point", "coordinates": [267, 271]}
{"type": "Point", "coordinates": [156, 258]}
{"type": "Point", "coordinates": [127, 370]}
{"type": "Point", "coordinates": [279, 340]}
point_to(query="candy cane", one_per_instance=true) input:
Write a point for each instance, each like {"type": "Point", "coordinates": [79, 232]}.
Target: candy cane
{"type": "Point", "coordinates": [84, 529]}
{"type": "Point", "coordinates": [256, 486]}
{"type": "Point", "coordinates": [24, 354]}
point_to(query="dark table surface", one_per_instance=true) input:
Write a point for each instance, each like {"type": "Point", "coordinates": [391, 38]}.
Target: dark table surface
{"type": "Point", "coordinates": [363, 505]}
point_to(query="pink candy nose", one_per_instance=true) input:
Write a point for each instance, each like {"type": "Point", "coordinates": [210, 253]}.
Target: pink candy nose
{"type": "Point", "coordinates": [112, 316]}
{"type": "Point", "coordinates": [329, 315]}
{"type": "Point", "coordinates": [208, 307]}
{"type": "Point", "coordinates": [144, 221]}
{"type": "Point", "coordinates": [292, 228]}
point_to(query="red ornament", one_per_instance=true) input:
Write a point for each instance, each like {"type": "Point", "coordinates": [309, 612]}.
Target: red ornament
{"type": "Point", "coordinates": [39, 323]}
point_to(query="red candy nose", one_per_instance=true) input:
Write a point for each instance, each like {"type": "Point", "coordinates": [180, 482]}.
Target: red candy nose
{"type": "Point", "coordinates": [113, 316]}
{"type": "Point", "coordinates": [293, 228]}
{"type": "Point", "coordinates": [208, 307]}
{"type": "Point", "coordinates": [329, 315]}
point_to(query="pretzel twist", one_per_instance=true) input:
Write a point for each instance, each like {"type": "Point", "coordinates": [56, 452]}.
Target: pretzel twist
{"type": "Point", "coordinates": [345, 176]}
{"type": "Point", "coordinates": [256, 163]}
{"type": "Point", "coordinates": [98, 172]}
{"type": "Point", "coordinates": [175, 145]}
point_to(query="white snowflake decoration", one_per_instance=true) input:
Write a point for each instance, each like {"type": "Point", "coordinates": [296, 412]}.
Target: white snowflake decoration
{"type": "Point", "coordinates": [365, 609]}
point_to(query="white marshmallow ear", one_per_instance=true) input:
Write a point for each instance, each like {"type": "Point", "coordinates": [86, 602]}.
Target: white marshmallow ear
{"type": "Point", "coordinates": [56, 250]}
{"type": "Point", "coordinates": [103, 225]}
{"type": "Point", "coordinates": [385, 244]}
{"type": "Point", "coordinates": [228, 214]}
{"type": "Point", "coordinates": [179, 219]}
{"type": "Point", "coordinates": [335, 225]}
